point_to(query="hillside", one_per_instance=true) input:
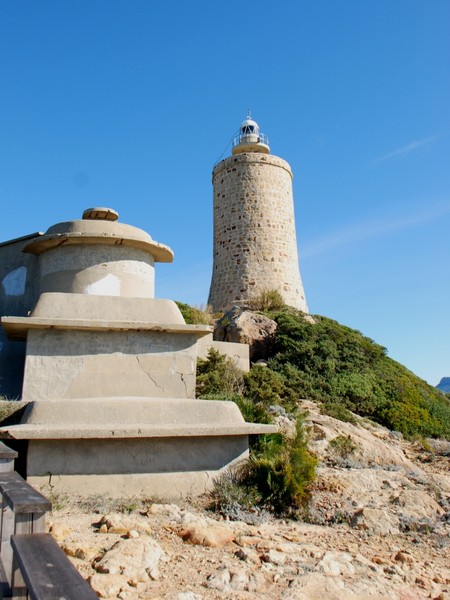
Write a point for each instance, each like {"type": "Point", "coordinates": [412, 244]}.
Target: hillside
{"type": "Point", "coordinates": [344, 371]}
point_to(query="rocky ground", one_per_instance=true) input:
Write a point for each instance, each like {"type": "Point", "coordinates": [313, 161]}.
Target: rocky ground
{"type": "Point", "coordinates": [379, 528]}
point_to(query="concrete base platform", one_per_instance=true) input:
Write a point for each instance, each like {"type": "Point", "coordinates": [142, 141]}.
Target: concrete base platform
{"type": "Point", "coordinates": [132, 446]}
{"type": "Point", "coordinates": [162, 468]}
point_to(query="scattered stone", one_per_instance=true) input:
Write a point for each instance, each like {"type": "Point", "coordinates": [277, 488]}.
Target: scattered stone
{"type": "Point", "coordinates": [108, 586]}
{"type": "Point", "coordinates": [248, 555]}
{"type": "Point", "coordinates": [239, 580]}
{"type": "Point", "coordinates": [220, 580]}
{"type": "Point", "coordinates": [212, 537]}
{"type": "Point", "coordinates": [137, 560]}
{"type": "Point", "coordinates": [316, 586]}
{"type": "Point", "coordinates": [60, 531]}
{"type": "Point", "coordinates": [403, 557]}
{"type": "Point", "coordinates": [235, 580]}
{"type": "Point", "coordinates": [423, 583]}
{"type": "Point", "coordinates": [378, 522]}
{"type": "Point", "coordinates": [334, 564]}
{"type": "Point", "coordinates": [189, 518]}
{"type": "Point", "coordinates": [248, 540]}
{"type": "Point", "coordinates": [407, 559]}
{"type": "Point", "coordinates": [274, 557]}
{"type": "Point", "coordinates": [123, 524]}
{"type": "Point", "coordinates": [80, 552]}
{"type": "Point", "coordinates": [132, 534]}
{"type": "Point", "coordinates": [169, 510]}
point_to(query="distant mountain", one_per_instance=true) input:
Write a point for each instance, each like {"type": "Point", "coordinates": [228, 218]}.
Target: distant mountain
{"type": "Point", "coordinates": [444, 385]}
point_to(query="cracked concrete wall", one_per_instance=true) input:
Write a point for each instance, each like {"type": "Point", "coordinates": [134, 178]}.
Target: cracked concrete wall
{"type": "Point", "coordinates": [89, 364]}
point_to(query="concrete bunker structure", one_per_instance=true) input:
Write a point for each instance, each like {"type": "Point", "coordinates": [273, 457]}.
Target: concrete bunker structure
{"type": "Point", "coordinates": [109, 370]}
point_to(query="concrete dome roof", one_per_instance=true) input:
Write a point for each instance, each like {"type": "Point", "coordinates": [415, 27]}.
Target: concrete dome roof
{"type": "Point", "coordinates": [100, 229]}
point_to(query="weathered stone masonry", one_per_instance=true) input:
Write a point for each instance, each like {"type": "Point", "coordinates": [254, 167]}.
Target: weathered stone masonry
{"type": "Point", "coordinates": [255, 245]}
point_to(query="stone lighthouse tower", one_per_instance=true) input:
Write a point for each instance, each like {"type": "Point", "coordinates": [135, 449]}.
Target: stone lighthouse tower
{"type": "Point", "coordinates": [255, 245]}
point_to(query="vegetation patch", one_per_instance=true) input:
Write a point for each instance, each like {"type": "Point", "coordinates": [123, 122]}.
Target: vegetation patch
{"type": "Point", "coordinates": [277, 475]}
{"type": "Point", "coordinates": [346, 371]}
{"type": "Point", "coordinates": [196, 315]}
{"type": "Point", "coordinates": [267, 300]}
{"type": "Point", "coordinates": [11, 411]}
{"type": "Point", "coordinates": [218, 374]}
{"type": "Point", "coordinates": [341, 448]}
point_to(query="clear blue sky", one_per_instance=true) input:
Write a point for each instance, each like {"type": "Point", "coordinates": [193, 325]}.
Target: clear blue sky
{"type": "Point", "coordinates": [128, 104]}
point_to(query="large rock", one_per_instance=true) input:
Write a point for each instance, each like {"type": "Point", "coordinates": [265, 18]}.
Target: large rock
{"type": "Point", "coordinates": [137, 560]}
{"type": "Point", "coordinates": [374, 446]}
{"type": "Point", "coordinates": [376, 521]}
{"type": "Point", "coordinates": [316, 586]}
{"type": "Point", "coordinates": [211, 537]}
{"type": "Point", "coordinates": [108, 586]}
{"type": "Point", "coordinates": [60, 531]}
{"type": "Point", "coordinates": [247, 327]}
{"type": "Point", "coordinates": [377, 488]}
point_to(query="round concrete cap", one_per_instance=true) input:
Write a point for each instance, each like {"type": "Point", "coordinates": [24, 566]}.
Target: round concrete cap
{"type": "Point", "coordinates": [101, 213]}
{"type": "Point", "coordinates": [98, 226]}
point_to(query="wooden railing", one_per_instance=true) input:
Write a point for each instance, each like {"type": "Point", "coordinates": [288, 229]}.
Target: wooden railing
{"type": "Point", "coordinates": [32, 565]}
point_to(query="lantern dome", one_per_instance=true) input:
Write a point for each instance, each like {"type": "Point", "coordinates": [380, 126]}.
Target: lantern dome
{"type": "Point", "coordinates": [250, 139]}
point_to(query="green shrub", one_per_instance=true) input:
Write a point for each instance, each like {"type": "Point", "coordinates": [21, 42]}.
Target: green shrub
{"type": "Point", "coordinates": [265, 386]}
{"type": "Point", "coordinates": [281, 471]}
{"type": "Point", "coordinates": [217, 374]}
{"type": "Point", "coordinates": [194, 315]}
{"type": "Point", "coordinates": [276, 477]}
{"type": "Point", "coordinates": [267, 300]}
{"type": "Point", "coordinates": [253, 412]}
{"type": "Point", "coordinates": [342, 446]}
{"type": "Point", "coordinates": [341, 369]}
{"type": "Point", "coordinates": [337, 410]}
{"type": "Point", "coordinates": [230, 490]}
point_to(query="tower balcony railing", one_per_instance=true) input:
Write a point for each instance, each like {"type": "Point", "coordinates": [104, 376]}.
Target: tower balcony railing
{"type": "Point", "coordinates": [250, 138]}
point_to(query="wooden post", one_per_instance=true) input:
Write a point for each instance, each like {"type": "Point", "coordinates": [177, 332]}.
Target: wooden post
{"type": "Point", "coordinates": [23, 525]}
{"type": "Point", "coordinates": [7, 457]}
{"type": "Point", "coordinates": [23, 512]}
